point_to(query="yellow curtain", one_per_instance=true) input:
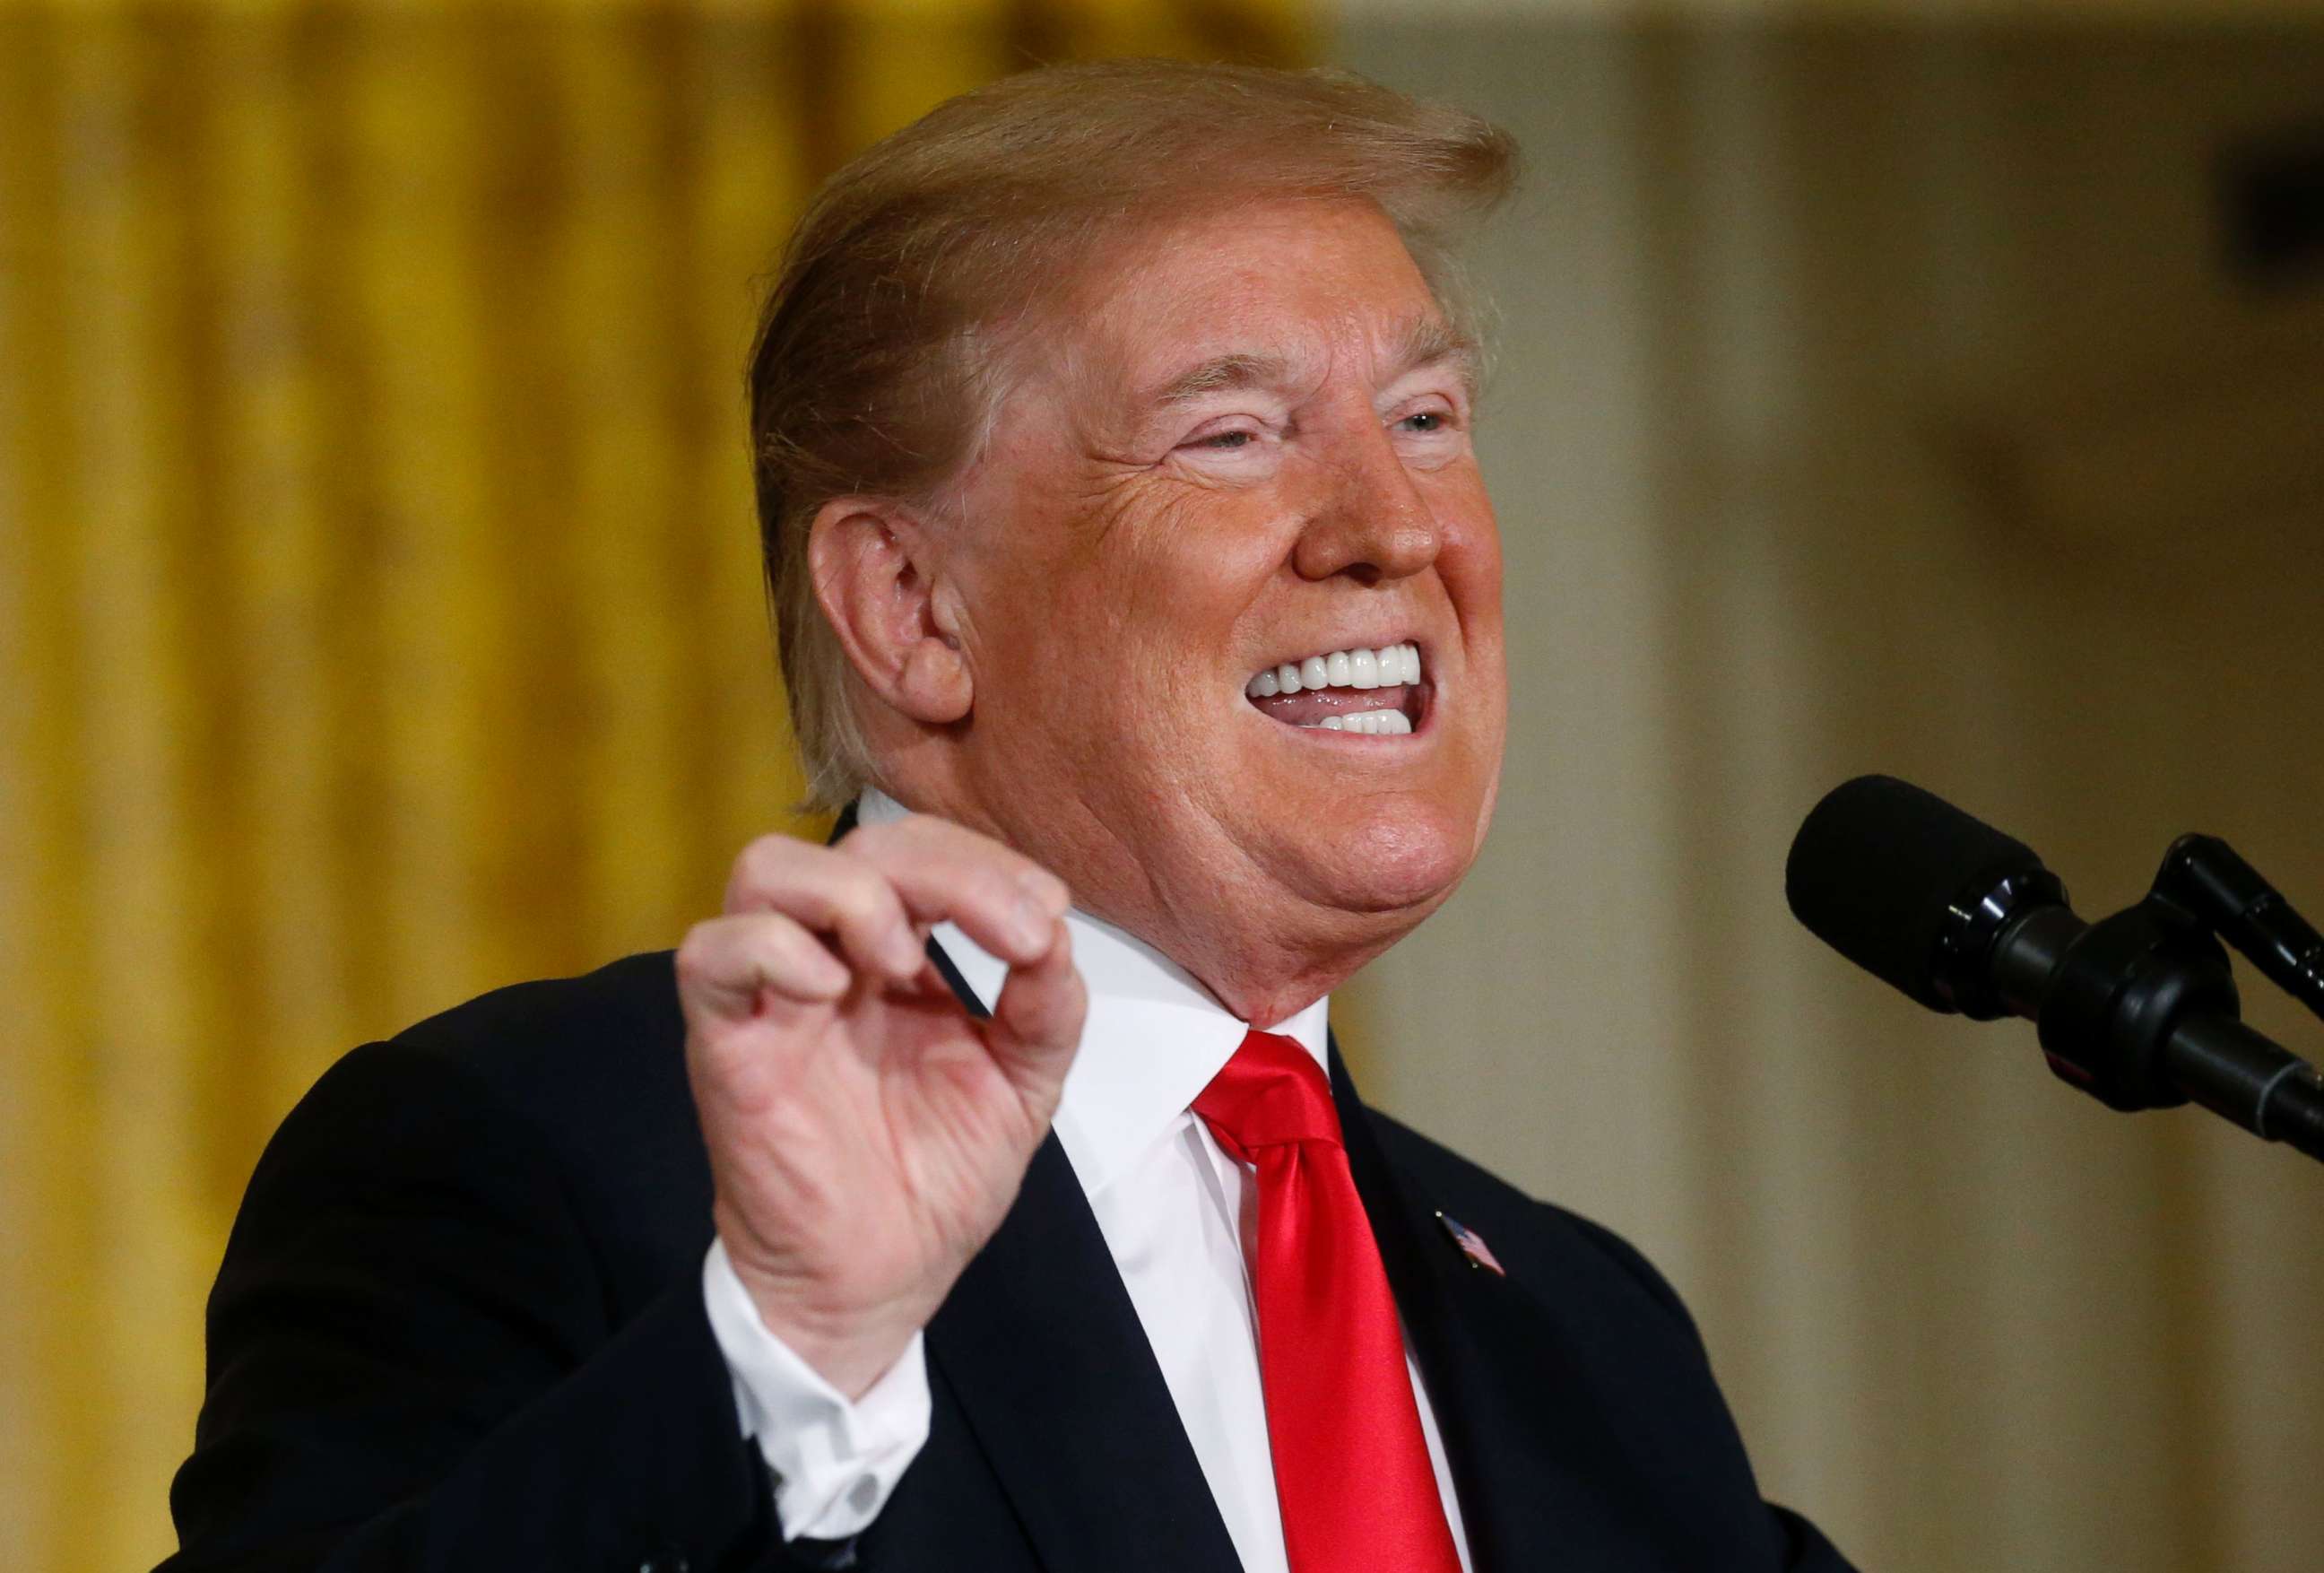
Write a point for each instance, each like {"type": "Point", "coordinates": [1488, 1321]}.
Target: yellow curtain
{"type": "Point", "coordinates": [379, 614]}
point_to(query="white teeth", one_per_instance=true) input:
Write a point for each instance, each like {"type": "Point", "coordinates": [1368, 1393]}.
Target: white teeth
{"type": "Point", "coordinates": [1385, 667]}
{"type": "Point", "coordinates": [1369, 723]}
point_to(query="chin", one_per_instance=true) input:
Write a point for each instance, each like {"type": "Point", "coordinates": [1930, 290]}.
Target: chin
{"type": "Point", "coordinates": [1401, 859]}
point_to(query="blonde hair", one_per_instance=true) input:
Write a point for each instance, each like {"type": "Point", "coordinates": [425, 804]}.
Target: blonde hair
{"type": "Point", "coordinates": [873, 371]}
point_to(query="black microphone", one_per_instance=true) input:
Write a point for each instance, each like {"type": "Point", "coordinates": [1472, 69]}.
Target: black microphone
{"type": "Point", "coordinates": [2138, 1009]}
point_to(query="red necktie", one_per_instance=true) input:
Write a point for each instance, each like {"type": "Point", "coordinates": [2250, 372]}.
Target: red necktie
{"type": "Point", "coordinates": [1350, 1469]}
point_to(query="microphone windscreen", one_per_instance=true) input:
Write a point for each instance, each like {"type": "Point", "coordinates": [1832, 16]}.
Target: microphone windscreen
{"type": "Point", "coordinates": [1877, 864]}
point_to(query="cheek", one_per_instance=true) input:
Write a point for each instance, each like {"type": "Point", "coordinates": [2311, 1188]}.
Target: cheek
{"type": "Point", "coordinates": [1121, 626]}
{"type": "Point", "coordinates": [1173, 577]}
{"type": "Point", "coordinates": [1470, 557]}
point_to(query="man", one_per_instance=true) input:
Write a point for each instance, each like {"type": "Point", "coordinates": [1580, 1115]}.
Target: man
{"type": "Point", "coordinates": [939, 1206]}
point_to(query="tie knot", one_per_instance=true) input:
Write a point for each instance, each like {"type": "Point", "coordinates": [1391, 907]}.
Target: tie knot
{"type": "Point", "coordinates": [1271, 1093]}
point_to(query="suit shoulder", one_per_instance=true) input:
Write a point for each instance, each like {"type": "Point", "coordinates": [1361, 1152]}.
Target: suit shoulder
{"type": "Point", "coordinates": [559, 1047]}
{"type": "Point", "coordinates": [1498, 1210]}
{"type": "Point", "coordinates": [577, 1085]}
{"type": "Point", "coordinates": [547, 1053]}
{"type": "Point", "coordinates": [545, 1031]}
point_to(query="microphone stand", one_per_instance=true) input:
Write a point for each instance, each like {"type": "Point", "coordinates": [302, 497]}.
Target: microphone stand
{"type": "Point", "coordinates": [2140, 1009]}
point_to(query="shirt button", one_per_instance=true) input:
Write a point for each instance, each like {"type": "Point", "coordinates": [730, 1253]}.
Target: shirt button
{"type": "Point", "coordinates": [864, 1494]}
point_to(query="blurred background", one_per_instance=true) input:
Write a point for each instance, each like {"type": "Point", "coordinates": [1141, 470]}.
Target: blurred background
{"type": "Point", "coordinates": [1932, 389]}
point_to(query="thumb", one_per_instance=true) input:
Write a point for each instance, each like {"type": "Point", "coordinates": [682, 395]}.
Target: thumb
{"type": "Point", "coordinates": [1036, 1023]}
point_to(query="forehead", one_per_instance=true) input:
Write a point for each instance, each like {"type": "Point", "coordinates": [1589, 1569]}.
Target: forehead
{"type": "Point", "coordinates": [1284, 288]}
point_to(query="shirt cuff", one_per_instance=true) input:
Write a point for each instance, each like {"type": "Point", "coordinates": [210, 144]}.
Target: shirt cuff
{"type": "Point", "coordinates": [834, 1462]}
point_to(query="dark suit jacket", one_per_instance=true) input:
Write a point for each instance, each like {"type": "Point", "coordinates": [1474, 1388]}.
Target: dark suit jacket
{"type": "Point", "coordinates": [460, 1325]}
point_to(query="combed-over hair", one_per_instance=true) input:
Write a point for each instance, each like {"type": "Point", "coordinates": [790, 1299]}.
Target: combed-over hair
{"type": "Point", "coordinates": [872, 373]}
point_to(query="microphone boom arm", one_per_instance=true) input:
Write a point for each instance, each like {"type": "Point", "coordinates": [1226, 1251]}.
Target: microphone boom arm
{"type": "Point", "coordinates": [2204, 878]}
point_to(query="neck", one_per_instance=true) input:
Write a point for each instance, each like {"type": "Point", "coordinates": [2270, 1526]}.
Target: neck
{"type": "Point", "coordinates": [1253, 969]}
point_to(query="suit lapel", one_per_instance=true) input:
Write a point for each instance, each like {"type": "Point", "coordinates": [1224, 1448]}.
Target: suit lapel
{"type": "Point", "coordinates": [1511, 1401]}
{"type": "Point", "coordinates": [1041, 1346]}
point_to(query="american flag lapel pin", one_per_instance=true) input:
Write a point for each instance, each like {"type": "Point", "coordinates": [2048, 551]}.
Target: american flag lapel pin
{"type": "Point", "coordinates": [1472, 1245]}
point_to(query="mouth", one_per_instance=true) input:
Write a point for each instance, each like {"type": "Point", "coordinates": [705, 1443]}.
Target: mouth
{"type": "Point", "coordinates": [1371, 691]}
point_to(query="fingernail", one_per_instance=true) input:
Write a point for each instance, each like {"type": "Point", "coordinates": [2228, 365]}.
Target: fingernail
{"type": "Point", "coordinates": [1048, 892]}
{"type": "Point", "coordinates": [1031, 921]}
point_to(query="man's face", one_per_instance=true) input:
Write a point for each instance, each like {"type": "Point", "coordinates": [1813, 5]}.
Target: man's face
{"type": "Point", "coordinates": [1240, 450]}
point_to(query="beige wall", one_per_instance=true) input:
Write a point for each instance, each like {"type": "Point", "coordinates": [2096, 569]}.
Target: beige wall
{"type": "Point", "coordinates": [2080, 14]}
{"type": "Point", "coordinates": [1875, 400]}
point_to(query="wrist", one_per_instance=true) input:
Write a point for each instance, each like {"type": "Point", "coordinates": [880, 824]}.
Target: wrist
{"type": "Point", "coordinates": [850, 1342]}
{"type": "Point", "coordinates": [853, 1360]}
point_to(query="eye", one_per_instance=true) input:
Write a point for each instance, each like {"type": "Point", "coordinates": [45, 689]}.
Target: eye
{"type": "Point", "coordinates": [1427, 423]}
{"type": "Point", "coordinates": [1240, 440]}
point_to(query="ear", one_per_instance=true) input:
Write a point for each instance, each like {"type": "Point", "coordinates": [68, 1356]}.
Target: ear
{"type": "Point", "coordinates": [873, 567]}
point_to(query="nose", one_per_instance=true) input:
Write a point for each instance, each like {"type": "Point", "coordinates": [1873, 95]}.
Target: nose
{"type": "Point", "coordinates": [1370, 522]}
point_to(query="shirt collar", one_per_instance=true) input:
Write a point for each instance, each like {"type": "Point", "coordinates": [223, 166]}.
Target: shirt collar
{"type": "Point", "coordinates": [1152, 1041]}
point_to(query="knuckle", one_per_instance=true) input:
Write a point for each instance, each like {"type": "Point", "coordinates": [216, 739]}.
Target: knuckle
{"type": "Point", "coordinates": [1031, 876]}
{"type": "Point", "coordinates": [694, 958]}
{"type": "Point", "coordinates": [753, 866]}
{"type": "Point", "coordinates": [893, 843]}
{"type": "Point", "coordinates": [994, 889]}
{"type": "Point", "coordinates": [921, 835]}
{"type": "Point", "coordinates": [859, 897]}
{"type": "Point", "coordinates": [872, 840]}
{"type": "Point", "coordinates": [767, 853]}
{"type": "Point", "coordinates": [1010, 865]}
{"type": "Point", "coordinates": [770, 936]}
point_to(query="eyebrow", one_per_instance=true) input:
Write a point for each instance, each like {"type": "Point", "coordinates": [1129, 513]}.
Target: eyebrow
{"type": "Point", "coordinates": [1221, 374]}
{"type": "Point", "coordinates": [1423, 341]}
{"type": "Point", "coordinates": [1428, 341]}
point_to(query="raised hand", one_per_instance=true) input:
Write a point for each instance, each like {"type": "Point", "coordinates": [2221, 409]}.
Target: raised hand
{"type": "Point", "coordinates": [866, 1133]}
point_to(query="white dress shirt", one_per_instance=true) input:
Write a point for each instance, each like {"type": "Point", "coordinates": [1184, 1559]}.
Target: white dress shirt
{"type": "Point", "coordinates": [1178, 1215]}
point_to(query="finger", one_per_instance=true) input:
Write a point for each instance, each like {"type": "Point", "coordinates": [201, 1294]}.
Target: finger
{"type": "Point", "coordinates": [726, 963]}
{"type": "Point", "coordinates": [830, 893]}
{"type": "Point", "coordinates": [947, 873]}
{"type": "Point", "coordinates": [1036, 1023]}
